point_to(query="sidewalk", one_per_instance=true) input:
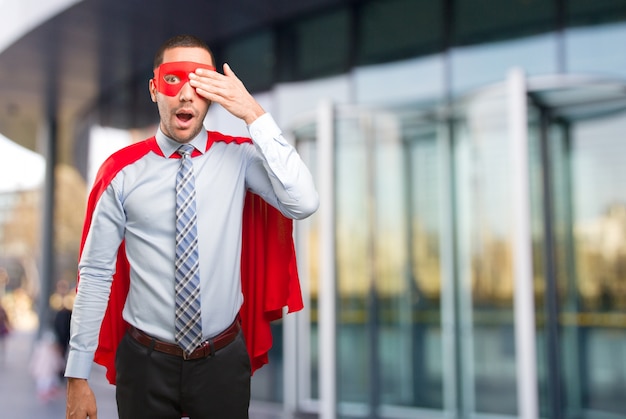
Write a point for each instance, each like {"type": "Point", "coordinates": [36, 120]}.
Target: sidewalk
{"type": "Point", "coordinates": [18, 395]}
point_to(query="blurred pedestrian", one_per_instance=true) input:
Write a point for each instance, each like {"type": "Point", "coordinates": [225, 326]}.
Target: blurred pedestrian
{"type": "Point", "coordinates": [61, 303]}
{"type": "Point", "coordinates": [45, 364]}
{"type": "Point", "coordinates": [5, 329]}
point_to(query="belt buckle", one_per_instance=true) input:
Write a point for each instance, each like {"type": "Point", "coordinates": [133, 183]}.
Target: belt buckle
{"type": "Point", "coordinates": [208, 348]}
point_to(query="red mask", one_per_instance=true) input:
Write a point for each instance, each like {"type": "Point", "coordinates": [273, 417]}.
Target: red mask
{"type": "Point", "coordinates": [170, 77]}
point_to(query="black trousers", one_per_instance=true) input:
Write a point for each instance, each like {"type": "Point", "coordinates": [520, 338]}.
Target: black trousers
{"type": "Point", "coordinates": [154, 385]}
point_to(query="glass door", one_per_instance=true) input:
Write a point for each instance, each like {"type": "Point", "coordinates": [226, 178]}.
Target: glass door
{"type": "Point", "coordinates": [577, 237]}
{"type": "Point", "coordinates": [491, 253]}
{"type": "Point", "coordinates": [388, 189]}
{"type": "Point", "coordinates": [584, 156]}
{"type": "Point", "coordinates": [447, 301]}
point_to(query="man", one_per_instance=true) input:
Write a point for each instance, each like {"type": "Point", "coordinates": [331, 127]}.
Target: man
{"type": "Point", "coordinates": [162, 372]}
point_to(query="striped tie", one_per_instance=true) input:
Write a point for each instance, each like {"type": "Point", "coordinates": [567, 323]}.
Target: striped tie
{"type": "Point", "coordinates": [188, 321]}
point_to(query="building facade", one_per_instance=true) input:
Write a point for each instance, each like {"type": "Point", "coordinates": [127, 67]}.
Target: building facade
{"type": "Point", "coordinates": [468, 257]}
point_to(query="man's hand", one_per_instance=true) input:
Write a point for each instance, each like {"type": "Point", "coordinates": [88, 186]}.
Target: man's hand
{"type": "Point", "coordinates": [81, 402]}
{"type": "Point", "coordinates": [227, 90]}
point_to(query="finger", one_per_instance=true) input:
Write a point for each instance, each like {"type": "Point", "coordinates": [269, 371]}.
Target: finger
{"type": "Point", "coordinates": [208, 95]}
{"type": "Point", "coordinates": [228, 71]}
{"type": "Point", "coordinates": [209, 89]}
{"type": "Point", "coordinates": [203, 72]}
{"type": "Point", "coordinates": [204, 86]}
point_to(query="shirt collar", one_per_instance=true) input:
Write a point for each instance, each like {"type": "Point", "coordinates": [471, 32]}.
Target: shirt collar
{"type": "Point", "coordinates": [169, 146]}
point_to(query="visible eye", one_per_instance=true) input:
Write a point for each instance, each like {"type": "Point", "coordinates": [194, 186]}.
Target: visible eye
{"type": "Point", "coordinates": [171, 79]}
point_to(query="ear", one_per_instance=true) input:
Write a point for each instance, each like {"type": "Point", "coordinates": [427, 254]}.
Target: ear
{"type": "Point", "coordinates": [153, 91]}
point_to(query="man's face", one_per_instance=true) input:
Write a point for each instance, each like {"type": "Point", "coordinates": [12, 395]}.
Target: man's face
{"type": "Point", "coordinates": [181, 110]}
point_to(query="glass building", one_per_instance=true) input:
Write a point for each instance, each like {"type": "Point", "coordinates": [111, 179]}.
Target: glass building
{"type": "Point", "coordinates": [468, 260]}
{"type": "Point", "coordinates": [469, 256]}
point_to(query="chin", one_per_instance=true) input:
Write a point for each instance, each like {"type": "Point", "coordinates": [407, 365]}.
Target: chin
{"type": "Point", "coordinates": [187, 134]}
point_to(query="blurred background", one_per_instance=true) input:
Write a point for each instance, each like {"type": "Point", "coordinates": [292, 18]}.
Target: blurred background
{"type": "Point", "coordinates": [469, 256]}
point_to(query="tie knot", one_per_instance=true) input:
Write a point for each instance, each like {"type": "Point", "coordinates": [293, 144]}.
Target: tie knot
{"type": "Point", "coordinates": [185, 150]}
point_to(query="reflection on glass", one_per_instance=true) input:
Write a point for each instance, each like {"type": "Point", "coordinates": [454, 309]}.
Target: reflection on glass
{"type": "Point", "coordinates": [476, 66]}
{"type": "Point", "coordinates": [390, 346]}
{"type": "Point", "coordinates": [408, 279]}
{"type": "Point", "coordinates": [353, 264]}
{"type": "Point", "coordinates": [307, 247]}
{"type": "Point", "coordinates": [593, 316]}
{"type": "Point", "coordinates": [488, 371]}
{"type": "Point", "coordinates": [583, 54]}
{"type": "Point", "coordinates": [388, 265]}
{"type": "Point", "coordinates": [588, 225]}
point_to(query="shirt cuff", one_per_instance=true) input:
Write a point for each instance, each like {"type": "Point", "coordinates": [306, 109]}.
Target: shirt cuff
{"type": "Point", "coordinates": [79, 364]}
{"type": "Point", "coordinates": [265, 129]}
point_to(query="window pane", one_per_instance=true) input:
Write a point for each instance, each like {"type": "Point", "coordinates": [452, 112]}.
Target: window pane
{"type": "Point", "coordinates": [252, 59]}
{"type": "Point", "coordinates": [322, 45]}
{"type": "Point", "coordinates": [396, 29]}
{"type": "Point", "coordinates": [488, 362]}
{"type": "Point", "coordinates": [592, 49]}
{"type": "Point", "coordinates": [477, 65]}
{"type": "Point", "coordinates": [353, 266]}
{"type": "Point", "coordinates": [593, 312]}
{"type": "Point", "coordinates": [585, 12]}
{"type": "Point", "coordinates": [408, 271]}
{"type": "Point", "coordinates": [488, 20]}
{"type": "Point", "coordinates": [390, 351]}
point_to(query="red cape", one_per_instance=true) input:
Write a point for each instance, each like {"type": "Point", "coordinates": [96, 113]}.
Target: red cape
{"type": "Point", "coordinates": [269, 276]}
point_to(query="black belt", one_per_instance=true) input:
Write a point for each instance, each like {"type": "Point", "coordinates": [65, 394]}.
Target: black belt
{"type": "Point", "coordinates": [206, 348]}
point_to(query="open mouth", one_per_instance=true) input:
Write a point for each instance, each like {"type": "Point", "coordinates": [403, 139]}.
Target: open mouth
{"type": "Point", "coordinates": [184, 117]}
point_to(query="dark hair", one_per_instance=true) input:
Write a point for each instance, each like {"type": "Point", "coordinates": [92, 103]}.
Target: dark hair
{"type": "Point", "coordinates": [185, 41]}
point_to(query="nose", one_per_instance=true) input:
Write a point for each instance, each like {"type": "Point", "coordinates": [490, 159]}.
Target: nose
{"type": "Point", "coordinates": [186, 92]}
